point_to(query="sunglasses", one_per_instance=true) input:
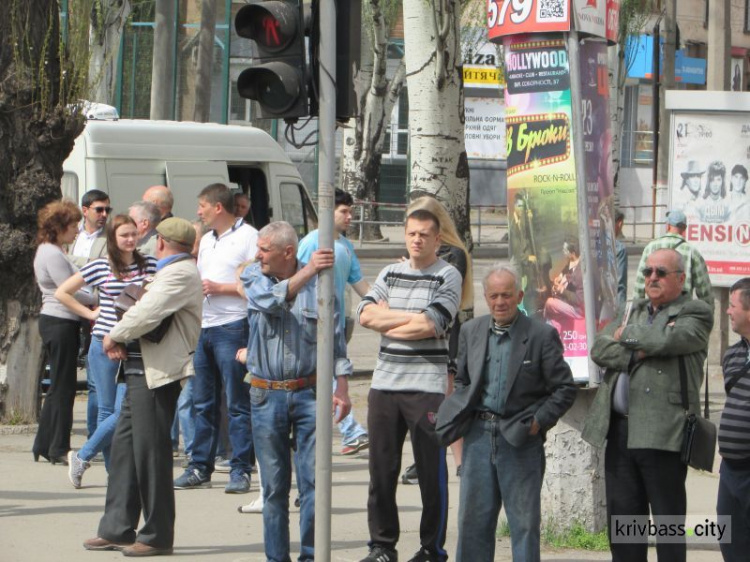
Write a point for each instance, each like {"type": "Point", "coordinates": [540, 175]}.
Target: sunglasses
{"type": "Point", "coordinates": [661, 273]}
{"type": "Point", "coordinates": [101, 210]}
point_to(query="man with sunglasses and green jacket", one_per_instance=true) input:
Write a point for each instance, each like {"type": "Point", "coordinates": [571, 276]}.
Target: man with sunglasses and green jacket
{"type": "Point", "coordinates": [638, 409]}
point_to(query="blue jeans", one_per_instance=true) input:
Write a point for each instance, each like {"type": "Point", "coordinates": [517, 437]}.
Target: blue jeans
{"type": "Point", "coordinates": [494, 471]}
{"type": "Point", "coordinates": [186, 415]}
{"type": "Point", "coordinates": [734, 501]}
{"type": "Point", "coordinates": [109, 397]}
{"type": "Point", "coordinates": [276, 415]}
{"type": "Point", "coordinates": [349, 428]}
{"type": "Point", "coordinates": [92, 406]}
{"type": "Point", "coordinates": [215, 366]}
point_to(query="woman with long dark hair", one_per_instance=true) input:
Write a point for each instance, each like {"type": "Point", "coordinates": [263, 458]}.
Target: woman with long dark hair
{"type": "Point", "coordinates": [58, 326]}
{"type": "Point", "coordinates": [123, 266]}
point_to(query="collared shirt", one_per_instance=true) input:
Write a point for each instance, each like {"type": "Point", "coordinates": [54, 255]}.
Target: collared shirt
{"type": "Point", "coordinates": [495, 371]}
{"type": "Point", "coordinates": [283, 334]}
{"type": "Point", "coordinates": [164, 262]}
{"type": "Point", "coordinates": [83, 243]}
{"type": "Point", "coordinates": [696, 272]}
{"type": "Point", "coordinates": [219, 256]}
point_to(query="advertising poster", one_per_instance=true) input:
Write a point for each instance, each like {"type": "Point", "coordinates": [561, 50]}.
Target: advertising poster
{"type": "Point", "coordinates": [484, 128]}
{"type": "Point", "coordinates": [597, 17]}
{"type": "Point", "coordinates": [708, 181]}
{"type": "Point", "coordinates": [597, 142]}
{"type": "Point", "coordinates": [542, 204]}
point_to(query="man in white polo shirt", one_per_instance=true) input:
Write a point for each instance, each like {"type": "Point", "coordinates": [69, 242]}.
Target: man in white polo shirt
{"type": "Point", "coordinates": [224, 330]}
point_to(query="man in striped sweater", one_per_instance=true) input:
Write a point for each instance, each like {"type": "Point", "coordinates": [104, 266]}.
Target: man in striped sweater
{"type": "Point", "coordinates": [734, 428]}
{"type": "Point", "coordinates": [412, 304]}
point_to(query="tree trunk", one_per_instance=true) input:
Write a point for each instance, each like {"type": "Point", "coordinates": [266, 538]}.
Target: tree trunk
{"type": "Point", "coordinates": [364, 135]}
{"type": "Point", "coordinates": [202, 110]}
{"type": "Point", "coordinates": [439, 165]}
{"type": "Point", "coordinates": [108, 18]}
{"type": "Point", "coordinates": [37, 135]}
{"type": "Point", "coordinates": [163, 70]}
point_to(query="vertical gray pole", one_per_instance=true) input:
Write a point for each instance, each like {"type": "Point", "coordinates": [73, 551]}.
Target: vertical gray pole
{"type": "Point", "coordinates": [162, 75]}
{"type": "Point", "coordinates": [584, 240]}
{"type": "Point", "coordinates": [326, 172]}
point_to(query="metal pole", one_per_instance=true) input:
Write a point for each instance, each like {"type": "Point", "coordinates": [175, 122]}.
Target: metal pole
{"type": "Point", "coordinates": [326, 172]}
{"type": "Point", "coordinates": [655, 114]}
{"type": "Point", "coordinates": [584, 240]}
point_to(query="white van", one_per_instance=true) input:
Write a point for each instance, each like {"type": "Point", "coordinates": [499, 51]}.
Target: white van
{"type": "Point", "coordinates": [125, 157]}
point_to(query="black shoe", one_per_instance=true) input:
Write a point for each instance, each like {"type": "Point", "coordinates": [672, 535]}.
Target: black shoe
{"type": "Point", "coordinates": [426, 555]}
{"type": "Point", "coordinates": [410, 475]}
{"type": "Point", "coordinates": [379, 553]}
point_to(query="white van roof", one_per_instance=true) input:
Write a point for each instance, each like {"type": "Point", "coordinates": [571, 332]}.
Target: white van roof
{"type": "Point", "coordinates": [180, 140]}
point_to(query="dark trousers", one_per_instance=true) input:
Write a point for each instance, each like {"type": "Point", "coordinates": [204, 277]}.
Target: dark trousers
{"type": "Point", "coordinates": [390, 415]}
{"type": "Point", "coordinates": [140, 476]}
{"type": "Point", "coordinates": [60, 340]}
{"type": "Point", "coordinates": [734, 501]}
{"type": "Point", "coordinates": [635, 479]}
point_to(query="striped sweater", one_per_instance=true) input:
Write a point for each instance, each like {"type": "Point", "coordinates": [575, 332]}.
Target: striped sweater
{"type": "Point", "coordinates": [421, 365]}
{"type": "Point", "coordinates": [734, 427]}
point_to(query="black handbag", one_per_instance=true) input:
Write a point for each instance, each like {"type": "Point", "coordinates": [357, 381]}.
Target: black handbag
{"type": "Point", "coordinates": [130, 295]}
{"type": "Point", "coordinates": [699, 435]}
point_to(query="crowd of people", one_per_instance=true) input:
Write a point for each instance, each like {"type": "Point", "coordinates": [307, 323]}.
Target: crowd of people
{"type": "Point", "coordinates": [211, 328]}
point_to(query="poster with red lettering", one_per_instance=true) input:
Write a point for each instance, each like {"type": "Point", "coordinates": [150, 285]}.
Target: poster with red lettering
{"type": "Point", "coordinates": [511, 17]}
{"type": "Point", "coordinates": [708, 180]}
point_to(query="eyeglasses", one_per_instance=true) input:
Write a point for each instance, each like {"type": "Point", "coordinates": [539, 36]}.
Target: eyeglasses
{"type": "Point", "coordinates": [661, 273]}
{"type": "Point", "coordinates": [101, 210]}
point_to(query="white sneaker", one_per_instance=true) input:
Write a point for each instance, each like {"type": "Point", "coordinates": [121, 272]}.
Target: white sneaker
{"type": "Point", "coordinates": [76, 468]}
{"type": "Point", "coordinates": [255, 506]}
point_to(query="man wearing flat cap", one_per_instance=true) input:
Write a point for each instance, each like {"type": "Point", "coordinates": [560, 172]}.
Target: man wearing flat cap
{"type": "Point", "coordinates": [140, 478]}
{"type": "Point", "coordinates": [696, 272]}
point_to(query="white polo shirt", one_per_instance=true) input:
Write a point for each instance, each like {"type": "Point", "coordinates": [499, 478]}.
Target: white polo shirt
{"type": "Point", "coordinates": [218, 260]}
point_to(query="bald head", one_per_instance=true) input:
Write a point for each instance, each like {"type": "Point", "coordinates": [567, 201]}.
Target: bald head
{"type": "Point", "coordinates": [161, 196]}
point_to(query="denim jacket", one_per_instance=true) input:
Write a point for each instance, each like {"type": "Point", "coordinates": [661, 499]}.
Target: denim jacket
{"type": "Point", "coordinates": [283, 334]}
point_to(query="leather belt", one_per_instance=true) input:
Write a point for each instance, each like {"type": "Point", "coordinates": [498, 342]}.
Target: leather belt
{"type": "Point", "coordinates": [289, 385]}
{"type": "Point", "coordinates": [486, 415]}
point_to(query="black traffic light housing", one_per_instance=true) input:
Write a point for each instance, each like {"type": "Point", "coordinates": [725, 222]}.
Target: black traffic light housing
{"type": "Point", "coordinates": [278, 78]}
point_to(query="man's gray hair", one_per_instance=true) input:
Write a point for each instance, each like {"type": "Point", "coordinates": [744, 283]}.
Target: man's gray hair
{"type": "Point", "coordinates": [280, 233]}
{"type": "Point", "coordinates": [497, 268]}
{"type": "Point", "coordinates": [147, 210]}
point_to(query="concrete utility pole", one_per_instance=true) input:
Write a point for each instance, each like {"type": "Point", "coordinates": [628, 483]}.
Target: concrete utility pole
{"type": "Point", "coordinates": [669, 25]}
{"type": "Point", "coordinates": [718, 76]}
{"type": "Point", "coordinates": [202, 109]}
{"type": "Point", "coordinates": [325, 367]}
{"type": "Point", "coordinates": [162, 73]}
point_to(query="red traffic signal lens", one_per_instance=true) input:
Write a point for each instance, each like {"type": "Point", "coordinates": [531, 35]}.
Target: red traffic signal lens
{"type": "Point", "coordinates": [272, 25]}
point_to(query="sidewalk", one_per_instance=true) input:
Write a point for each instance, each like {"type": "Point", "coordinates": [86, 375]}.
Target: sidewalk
{"type": "Point", "coordinates": [42, 517]}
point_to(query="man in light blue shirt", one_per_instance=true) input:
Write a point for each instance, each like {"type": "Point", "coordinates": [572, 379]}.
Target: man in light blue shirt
{"type": "Point", "coordinates": [281, 359]}
{"type": "Point", "coordinates": [346, 269]}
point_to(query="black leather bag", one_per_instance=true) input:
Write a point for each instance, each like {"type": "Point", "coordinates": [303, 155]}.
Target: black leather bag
{"type": "Point", "coordinates": [699, 434]}
{"type": "Point", "coordinates": [130, 295]}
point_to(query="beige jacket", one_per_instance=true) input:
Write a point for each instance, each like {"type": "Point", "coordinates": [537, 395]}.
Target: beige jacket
{"type": "Point", "coordinates": [175, 289]}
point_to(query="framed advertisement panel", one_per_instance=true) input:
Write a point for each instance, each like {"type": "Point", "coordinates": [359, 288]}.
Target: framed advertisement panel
{"type": "Point", "coordinates": [708, 177]}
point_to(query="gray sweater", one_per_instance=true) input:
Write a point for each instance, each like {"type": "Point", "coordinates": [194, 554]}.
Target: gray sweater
{"type": "Point", "coordinates": [52, 269]}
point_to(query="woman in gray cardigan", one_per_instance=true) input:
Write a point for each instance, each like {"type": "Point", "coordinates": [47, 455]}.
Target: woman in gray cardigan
{"type": "Point", "coordinates": [58, 326]}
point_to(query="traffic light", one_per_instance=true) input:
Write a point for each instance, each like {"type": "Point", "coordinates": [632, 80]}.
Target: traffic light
{"type": "Point", "coordinates": [277, 79]}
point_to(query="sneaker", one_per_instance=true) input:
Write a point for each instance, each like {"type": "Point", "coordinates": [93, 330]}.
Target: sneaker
{"type": "Point", "coordinates": [192, 479]}
{"type": "Point", "coordinates": [410, 475]}
{"type": "Point", "coordinates": [76, 468]}
{"type": "Point", "coordinates": [380, 553]}
{"type": "Point", "coordinates": [359, 444]}
{"type": "Point", "coordinates": [255, 506]}
{"type": "Point", "coordinates": [426, 555]}
{"type": "Point", "coordinates": [223, 465]}
{"type": "Point", "coordinates": [239, 483]}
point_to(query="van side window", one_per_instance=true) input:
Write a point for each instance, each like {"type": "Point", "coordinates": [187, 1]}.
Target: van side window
{"type": "Point", "coordinates": [69, 186]}
{"type": "Point", "coordinates": [296, 209]}
{"type": "Point", "coordinates": [252, 182]}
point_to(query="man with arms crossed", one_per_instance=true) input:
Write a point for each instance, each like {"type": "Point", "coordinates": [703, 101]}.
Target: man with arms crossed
{"type": "Point", "coordinates": [412, 304]}
{"type": "Point", "coordinates": [346, 269]}
{"type": "Point", "coordinates": [229, 243]}
{"type": "Point", "coordinates": [281, 357]}
{"type": "Point", "coordinates": [512, 386]}
{"type": "Point", "coordinates": [637, 410]}
{"type": "Point", "coordinates": [734, 429]}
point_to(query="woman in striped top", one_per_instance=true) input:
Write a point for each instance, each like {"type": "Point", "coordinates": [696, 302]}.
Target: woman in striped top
{"type": "Point", "coordinates": [123, 266]}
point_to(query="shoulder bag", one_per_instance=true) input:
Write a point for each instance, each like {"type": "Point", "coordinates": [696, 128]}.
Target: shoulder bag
{"type": "Point", "coordinates": [699, 436]}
